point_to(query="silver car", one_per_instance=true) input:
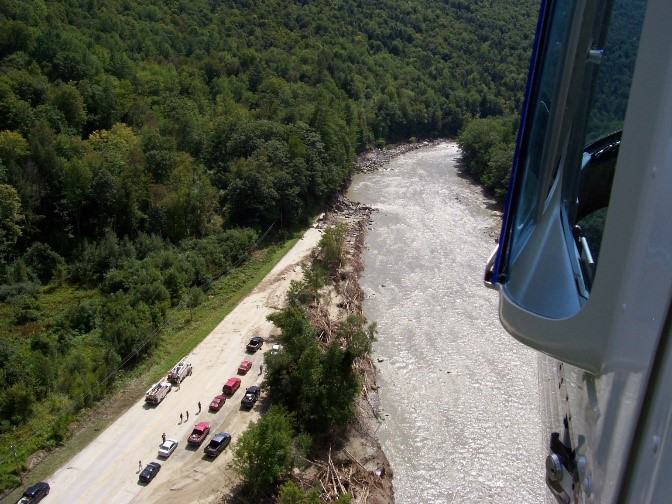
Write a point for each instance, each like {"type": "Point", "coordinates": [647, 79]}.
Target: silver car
{"type": "Point", "coordinates": [167, 448]}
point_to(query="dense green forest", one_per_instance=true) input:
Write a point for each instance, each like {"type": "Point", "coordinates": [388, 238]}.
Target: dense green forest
{"type": "Point", "coordinates": [146, 145]}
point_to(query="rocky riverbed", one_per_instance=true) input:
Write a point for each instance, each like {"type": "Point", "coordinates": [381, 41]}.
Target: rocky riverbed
{"type": "Point", "coordinates": [459, 398]}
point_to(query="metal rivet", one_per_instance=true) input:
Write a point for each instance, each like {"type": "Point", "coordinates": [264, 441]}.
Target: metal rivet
{"type": "Point", "coordinates": [554, 467]}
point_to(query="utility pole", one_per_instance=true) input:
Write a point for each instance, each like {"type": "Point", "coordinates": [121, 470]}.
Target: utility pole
{"type": "Point", "coordinates": [18, 468]}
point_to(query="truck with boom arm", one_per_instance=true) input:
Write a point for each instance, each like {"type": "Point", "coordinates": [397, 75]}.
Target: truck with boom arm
{"type": "Point", "coordinates": [180, 371]}
{"type": "Point", "coordinates": [158, 392]}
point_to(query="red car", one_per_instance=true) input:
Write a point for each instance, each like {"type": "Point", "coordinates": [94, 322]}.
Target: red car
{"type": "Point", "coordinates": [198, 435]}
{"type": "Point", "coordinates": [217, 403]}
{"type": "Point", "coordinates": [231, 386]}
{"type": "Point", "coordinates": [244, 367]}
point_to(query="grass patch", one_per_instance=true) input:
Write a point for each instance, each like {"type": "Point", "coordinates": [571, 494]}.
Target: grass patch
{"type": "Point", "coordinates": [184, 331]}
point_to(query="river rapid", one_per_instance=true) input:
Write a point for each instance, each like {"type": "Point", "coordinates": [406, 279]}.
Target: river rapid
{"type": "Point", "coordinates": [459, 396]}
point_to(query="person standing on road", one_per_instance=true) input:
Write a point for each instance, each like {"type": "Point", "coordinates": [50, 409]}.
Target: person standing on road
{"type": "Point", "coordinates": [163, 437]}
{"type": "Point", "coordinates": [187, 414]}
{"type": "Point", "coordinates": [139, 465]}
{"type": "Point", "coordinates": [199, 406]}
{"type": "Point", "coordinates": [261, 368]}
{"type": "Point", "coordinates": [180, 417]}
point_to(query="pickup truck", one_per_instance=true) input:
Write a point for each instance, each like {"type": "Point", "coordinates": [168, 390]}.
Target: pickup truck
{"type": "Point", "coordinates": [198, 435]}
{"type": "Point", "coordinates": [157, 392]}
{"type": "Point", "coordinates": [217, 444]}
{"type": "Point", "coordinates": [250, 397]}
{"type": "Point", "coordinates": [179, 372]}
{"type": "Point", "coordinates": [255, 344]}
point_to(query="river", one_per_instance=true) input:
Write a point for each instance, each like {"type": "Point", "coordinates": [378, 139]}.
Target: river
{"type": "Point", "coordinates": [459, 396]}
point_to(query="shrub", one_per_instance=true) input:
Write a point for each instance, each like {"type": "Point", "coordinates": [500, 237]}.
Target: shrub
{"type": "Point", "coordinates": [291, 494]}
{"type": "Point", "coordinates": [263, 453]}
{"type": "Point", "coordinates": [146, 244]}
{"type": "Point", "coordinates": [174, 284]}
{"type": "Point", "coordinates": [82, 317]}
{"type": "Point", "coordinates": [18, 272]}
{"type": "Point", "coordinates": [26, 309]}
{"type": "Point", "coordinates": [331, 246]}
{"type": "Point", "coordinates": [16, 403]}
{"type": "Point", "coordinates": [126, 325]}
{"type": "Point", "coordinates": [17, 289]}
{"type": "Point", "coordinates": [42, 261]}
{"type": "Point", "coordinates": [97, 259]}
{"type": "Point", "coordinates": [194, 299]}
{"type": "Point", "coordinates": [357, 338]}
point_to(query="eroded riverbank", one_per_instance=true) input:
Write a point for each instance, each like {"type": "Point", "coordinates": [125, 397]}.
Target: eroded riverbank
{"type": "Point", "coordinates": [459, 396]}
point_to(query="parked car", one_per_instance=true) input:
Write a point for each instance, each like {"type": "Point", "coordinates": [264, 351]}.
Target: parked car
{"type": "Point", "coordinates": [149, 472]}
{"type": "Point", "coordinates": [167, 448]}
{"type": "Point", "coordinates": [217, 444]}
{"type": "Point", "coordinates": [34, 493]}
{"type": "Point", "coordinates": [250, 397]}
{"type": "Point", "coordinates": [231, 385]}
{"type": "Point", "coordinates": [244, 367]}
{"type": "Point", "coordinates": [255, 344]}
{"type": "Point", "coordinates": [198, 435]}
{"type": "Point", "coordinates": [217, 403]}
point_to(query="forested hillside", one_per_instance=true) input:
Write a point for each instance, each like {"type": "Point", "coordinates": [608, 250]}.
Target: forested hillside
{"type": "Point", "coordinates": [257, 107]}
{"type": "Point", "coordinates": [144, 144]}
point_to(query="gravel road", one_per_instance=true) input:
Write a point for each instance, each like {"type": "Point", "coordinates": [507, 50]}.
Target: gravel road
{"type": "Point", "coordinates": [106, 470]}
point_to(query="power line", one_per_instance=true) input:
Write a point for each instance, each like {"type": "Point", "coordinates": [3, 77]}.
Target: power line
{"type": "Point", "coordinates": [139, 346]}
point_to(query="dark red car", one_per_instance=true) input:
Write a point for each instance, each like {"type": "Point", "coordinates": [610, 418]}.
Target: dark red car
{"type": "Point", "coordinates": [198, 435]}
{"type": "Point", "coordinates": [231, 386]}
{"type": "Point", "coordinates": [217, 403]}
{"type": "Point", "coordinates": [244, 367]}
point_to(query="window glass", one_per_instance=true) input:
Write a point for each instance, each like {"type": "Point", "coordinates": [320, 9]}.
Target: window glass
{"type": "Point", "coordinates": [606, 113]}
{"type": "Point", "coordinates": [544, 94]}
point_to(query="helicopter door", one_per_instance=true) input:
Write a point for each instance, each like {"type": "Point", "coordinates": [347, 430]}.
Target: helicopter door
{"type": "Point", "coordinates": [568, 150]}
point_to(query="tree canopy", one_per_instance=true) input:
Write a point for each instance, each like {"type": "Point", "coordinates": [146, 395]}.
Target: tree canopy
{"type": "Point", "coordinates": [178, 118]}
{"type": "Point", "coordinates": [145, 145]}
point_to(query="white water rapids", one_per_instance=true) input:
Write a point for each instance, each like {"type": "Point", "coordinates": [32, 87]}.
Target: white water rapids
{"type": "Point", "coordinates": [459, 396]}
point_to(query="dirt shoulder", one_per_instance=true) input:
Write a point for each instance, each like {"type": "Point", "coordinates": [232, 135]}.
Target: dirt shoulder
{"type": "Point", "coordinates": [106, 470]}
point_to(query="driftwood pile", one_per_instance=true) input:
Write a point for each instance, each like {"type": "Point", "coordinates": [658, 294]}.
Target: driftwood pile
{"type": "Point", "coordinates": [346, 471]}
{"type": "Point", "coordinates": [345, 293]}
{"type": "Point", "coordinates": [338, 476]}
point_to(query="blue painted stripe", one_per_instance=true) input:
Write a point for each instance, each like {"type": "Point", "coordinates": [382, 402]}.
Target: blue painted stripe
{"type": "Point", "coordinates": [516, 172]}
